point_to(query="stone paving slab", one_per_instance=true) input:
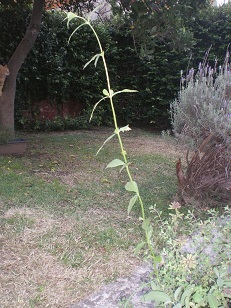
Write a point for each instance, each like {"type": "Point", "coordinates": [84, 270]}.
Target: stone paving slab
{"type": "Point", "coordinates": [116, 293]}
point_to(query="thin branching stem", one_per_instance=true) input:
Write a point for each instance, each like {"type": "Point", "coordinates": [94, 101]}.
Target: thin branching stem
{"type": "Point", "coordinates": [117, 132]}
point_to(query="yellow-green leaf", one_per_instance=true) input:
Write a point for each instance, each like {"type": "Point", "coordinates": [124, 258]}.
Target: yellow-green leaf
{"type": "Point", "coordinates": [132, 186]}
{"type": "Point", "coordinates": [139, 247]}
{"type": "Point", "coordinates": [105, 92]}
{"type": "Point", "coordinates": [213, 303]}
{"type": "Point", "coordinates": [131, 203]}
{"type": "Point", "coordinates": [125, 129]}
{"type": "Point", "coordinates": [115, 163]}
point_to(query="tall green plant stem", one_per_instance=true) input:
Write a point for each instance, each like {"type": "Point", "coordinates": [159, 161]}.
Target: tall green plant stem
{"type": "Point", "coordinates": [123, 152]}
{"type": "Point", "coordinates": [117, 132]}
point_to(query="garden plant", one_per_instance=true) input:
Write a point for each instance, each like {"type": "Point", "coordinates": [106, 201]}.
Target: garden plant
{"type": "Point", "coordinates": [201, 118]}
{"type": "Point", "coordinates": [130, 186]}
{"type": "Point", "coordinates": [195, 267]}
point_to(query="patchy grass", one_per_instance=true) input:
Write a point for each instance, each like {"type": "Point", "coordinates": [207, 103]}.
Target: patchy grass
{"type": "Point", "coordinates": [65, 229]}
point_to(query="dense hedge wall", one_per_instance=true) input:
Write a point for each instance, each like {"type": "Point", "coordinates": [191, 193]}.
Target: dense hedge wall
{"type": "Point", "coordinates": [53, 71]}
{"type": "Point", "coordinates": [212, 29]}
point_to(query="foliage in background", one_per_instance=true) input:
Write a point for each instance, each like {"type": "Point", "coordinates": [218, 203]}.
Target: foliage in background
{"type": "Point", "coordinates": [48, 72]}
{"type": "Point", "coordinates": [211, 28]}
{"type": "Point", "coordinates": [163, 21]}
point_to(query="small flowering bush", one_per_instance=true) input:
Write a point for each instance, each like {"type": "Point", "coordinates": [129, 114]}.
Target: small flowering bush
{"type": "Point", "coordinates": [201, 118]}
{"type": "Point", "coordinates": [204, 105]}
{"type": "Point", "coordinates": [196, 266]}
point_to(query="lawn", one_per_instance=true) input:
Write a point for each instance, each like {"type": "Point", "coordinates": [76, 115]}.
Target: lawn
{"type": "Point", "coordinates": [65, 228]}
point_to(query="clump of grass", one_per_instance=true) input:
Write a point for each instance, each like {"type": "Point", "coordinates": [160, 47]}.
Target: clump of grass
{"type": "Point", "coordinates": [17, 223]}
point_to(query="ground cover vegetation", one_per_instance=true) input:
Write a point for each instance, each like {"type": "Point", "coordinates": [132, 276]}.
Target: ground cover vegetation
{"type": "Point", "coordinates": [195, 267]}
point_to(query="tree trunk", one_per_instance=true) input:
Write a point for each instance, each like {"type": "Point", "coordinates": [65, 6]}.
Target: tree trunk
{"type": "Point", "coordinates": [8, 97]}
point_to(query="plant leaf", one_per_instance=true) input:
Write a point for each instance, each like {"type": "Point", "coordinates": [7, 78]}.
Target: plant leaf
{"type": "Point", "coordinates": [154, 286]}
{"type": "Point", "coordinates": [115, 163]}
{"type": "Point", "coordinates": [103, 98]}
{"type": "Point", "coordinates": [131, 203]}
{"type": "Point", "coordinates": [187, 293]}
{"type": "Point", "coordinates": [220, 282]}
{"type": "Point", "coordinates": [146, 224]}
{"type": "Point", "coordinates": [123, 91]}
{"type": "Point", "coordinates": [177, 293]}
{"type": "Point", "coordinates": [223, 273]}
{"type": "Point", "coordinates": [128, 90]}
{"type": "Point", "coordinates": [105, 92]}
{"type": "Point", "coordinates": [95, 57]}
{"type": "Point", "coordinates": [156, 296]}
{"type": "Point", "coordinates": [132, 186]}
{"type": "Point", "coordinates": [109, 138]}
{"type": "Point", "coordinates": [227, 283]}
{"type": "Point", "coordinates": [197, 297]}
{"type": "Point", "coordinates": [139, 247]}
{"type": "Point", "coordinates": [213, 303]}
{"type": "Point", "coordinates": [125, 129]}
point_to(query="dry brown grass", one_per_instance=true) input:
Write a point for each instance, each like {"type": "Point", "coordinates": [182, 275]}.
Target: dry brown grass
{"type": "Point", "coordinates": [33, 277]}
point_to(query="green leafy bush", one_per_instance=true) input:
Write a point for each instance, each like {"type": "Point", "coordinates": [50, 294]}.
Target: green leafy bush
{"type": "Point", "coordinates": [196, 266]}
{"type": "Point", "coordinates": [60, 123]}
{"type": "Point", "coordinates": [211, 28]}
{"type": "Point", "coordinates": [203, 105]}
{"type": "Point", "coordinates": [56, 73]}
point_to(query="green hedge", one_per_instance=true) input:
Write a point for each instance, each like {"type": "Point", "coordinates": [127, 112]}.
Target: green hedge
{"type": "Point", "coordinates": [54, 70]}
{"type": "Point", "coordinates": [212, 29]}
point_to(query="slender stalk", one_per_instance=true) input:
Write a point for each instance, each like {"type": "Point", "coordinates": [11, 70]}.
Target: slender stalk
{"type": "Point", "coordinates": [115, 117]}
{"type": "Point", "coordinates": [117, 132]}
